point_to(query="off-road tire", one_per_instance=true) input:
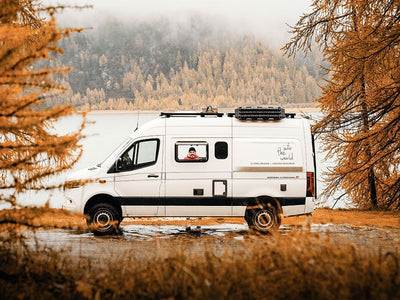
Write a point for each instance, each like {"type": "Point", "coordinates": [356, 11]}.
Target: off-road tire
{"type": "Point", "coordinates": [104, 219]}
{"type": "Point", "coordinates": [263, 219]}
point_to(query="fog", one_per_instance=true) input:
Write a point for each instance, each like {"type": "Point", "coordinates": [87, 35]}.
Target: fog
{"type": "Point", "coordinates": [266, 19]}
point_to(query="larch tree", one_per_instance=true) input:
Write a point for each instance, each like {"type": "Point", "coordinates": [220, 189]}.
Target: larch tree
{"type": "Point", "coordinates": [360, 101]}
{"type": "Point", "coordinates": [30, 150]}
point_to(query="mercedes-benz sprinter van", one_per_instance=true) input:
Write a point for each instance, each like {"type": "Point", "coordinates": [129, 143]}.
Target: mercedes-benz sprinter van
{"type": "Point", "coordinates": [257, 163]}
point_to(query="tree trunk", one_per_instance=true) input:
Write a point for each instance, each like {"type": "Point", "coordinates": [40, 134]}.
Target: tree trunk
{"type": "Point", "coordinates": [372, 188]}
{"type": "Point", "coordinates": [371, 173]}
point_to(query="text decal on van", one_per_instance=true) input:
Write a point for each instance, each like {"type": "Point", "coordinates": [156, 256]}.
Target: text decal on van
{"type": "Point", "coordinates": [286, 152]}
{"type": "Point", "coordinates": [260, 155]}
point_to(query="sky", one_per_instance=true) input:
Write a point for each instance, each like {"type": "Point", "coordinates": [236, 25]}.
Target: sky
{"type": "Point", "coordinates": [267, 19]}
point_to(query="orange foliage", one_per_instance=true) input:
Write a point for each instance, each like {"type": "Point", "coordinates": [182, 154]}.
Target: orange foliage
{"type": "Point", "coordinates": [361, 103]}
{"type": "Point", "coordinates": [29, 151]}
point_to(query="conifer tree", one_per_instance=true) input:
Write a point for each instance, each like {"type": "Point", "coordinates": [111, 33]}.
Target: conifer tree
{"type": "Point", "coordinates": [30, 151]}
{"type": "Point", "coordinates": [361, 103]}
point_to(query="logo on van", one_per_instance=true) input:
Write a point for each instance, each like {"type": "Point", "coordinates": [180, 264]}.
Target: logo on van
{"type": "Point", "coordinates": [285, 152]}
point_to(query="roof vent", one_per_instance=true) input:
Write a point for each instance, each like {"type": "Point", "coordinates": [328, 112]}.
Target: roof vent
{"type": "Point", "coordinates": [260, 113]}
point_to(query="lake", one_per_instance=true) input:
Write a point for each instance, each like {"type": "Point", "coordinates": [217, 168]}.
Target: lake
{"type": "Point", "coordinates": [103, 135]}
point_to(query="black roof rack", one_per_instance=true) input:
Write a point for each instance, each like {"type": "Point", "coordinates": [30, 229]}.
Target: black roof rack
{"type": "Point", "coordinates": [287, 115]}
{"type": "Point", "coordinates": [202, 114]}
{"type": "Point", "coordinates": [260, 113]}
{"type": "Point", "coordinates": [290, 115]}
{"type": "Point", "coordinates": [243, 113]}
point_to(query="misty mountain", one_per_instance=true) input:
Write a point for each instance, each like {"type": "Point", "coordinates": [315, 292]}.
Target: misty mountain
{"type": "Point", "coordinates": [149, 65]}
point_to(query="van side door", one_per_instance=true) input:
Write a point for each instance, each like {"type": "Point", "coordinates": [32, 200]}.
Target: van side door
{"type": "Point", "coordinates": [138, 177]}
{"type": "Point", "coordinates": [198, 176]}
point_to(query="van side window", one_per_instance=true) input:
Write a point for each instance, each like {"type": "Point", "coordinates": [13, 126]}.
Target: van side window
{"type": "Point", "coordinates": [221, 150]}
{"type": "Point", "coordinates": [141, 154]}
{"type": "Point", "coordinates": [187, 152]}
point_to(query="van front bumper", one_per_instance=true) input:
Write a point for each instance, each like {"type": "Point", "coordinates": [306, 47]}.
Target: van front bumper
{"type": "Point", "coordinates": [72, 198]}
{"type": "Point", "coordinates": [67, 205]}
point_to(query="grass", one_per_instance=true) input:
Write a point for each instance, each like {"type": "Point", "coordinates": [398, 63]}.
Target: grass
{"type": "Point", "coordinates": [298, 265]}
{"type": "Point", "coordinates": [353, 217]}
{"type": "Point", "coordinates": [57, 218]}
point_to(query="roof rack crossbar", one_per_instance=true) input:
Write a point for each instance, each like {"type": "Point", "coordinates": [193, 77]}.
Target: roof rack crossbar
{"type": "Point", "coordinates": [290, 115]}
{"type": "Point", "coordinates": [202, 114]}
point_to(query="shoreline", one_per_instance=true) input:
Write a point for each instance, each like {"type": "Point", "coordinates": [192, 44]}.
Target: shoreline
{"type": "Point", "coordinates": [222, 110]}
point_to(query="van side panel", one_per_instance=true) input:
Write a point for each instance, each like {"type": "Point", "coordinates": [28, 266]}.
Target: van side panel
{"type": "Point", "coordinates": [265, 159]}
{"type": "Point", "coordinates": [270, 160]}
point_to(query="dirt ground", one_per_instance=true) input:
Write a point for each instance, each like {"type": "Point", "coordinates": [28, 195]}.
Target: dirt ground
{"type": "Point", "coordinates": [144, 237]}
{"type": "Point", "coordinates": [56, 218]}
{"type": "Point", "coordinates": [320, 216]}
{"type": "Point", "coordinates": [349, 217]}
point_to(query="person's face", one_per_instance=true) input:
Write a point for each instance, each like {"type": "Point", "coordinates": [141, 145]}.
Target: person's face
{"type": "Point", "coordinates": [192, 154]}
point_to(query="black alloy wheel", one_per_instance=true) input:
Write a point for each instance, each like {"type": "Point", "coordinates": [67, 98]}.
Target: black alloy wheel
{"type": "Point", "coordinates": [104, 219]}
{"type": "Point", "coordinates": [263, 219]}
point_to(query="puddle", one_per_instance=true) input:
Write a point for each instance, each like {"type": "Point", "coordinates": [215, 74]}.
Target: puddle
{"type": "Point", "coordinates": [168, 231]}
{"type": "Point", "coordinates": [142, 241]}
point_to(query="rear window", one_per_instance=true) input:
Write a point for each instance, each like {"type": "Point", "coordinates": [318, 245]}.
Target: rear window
{"type": "Point", "coordinates": [221, 150]}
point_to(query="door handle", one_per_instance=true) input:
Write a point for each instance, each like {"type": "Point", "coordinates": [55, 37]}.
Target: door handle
{"type": "Point", "coordinates": [152, 176]}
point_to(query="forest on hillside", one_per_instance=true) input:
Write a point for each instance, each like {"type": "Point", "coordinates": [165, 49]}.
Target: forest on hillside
{"type": "Point", "coordinates": [161, 65]}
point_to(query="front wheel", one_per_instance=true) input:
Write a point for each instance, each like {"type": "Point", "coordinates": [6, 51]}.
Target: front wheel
{"type": "Point", "coordinates": [104, 219]}
{"type": "Point", "coordinates": [263, 219]}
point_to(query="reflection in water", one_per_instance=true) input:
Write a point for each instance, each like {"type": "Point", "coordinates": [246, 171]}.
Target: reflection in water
{"type": "Point", "coordinates": [228, 235]}
{"type": "Point", "coordinates": [167, 231]}
{"type": "Point", "coordinates": [146, 243]}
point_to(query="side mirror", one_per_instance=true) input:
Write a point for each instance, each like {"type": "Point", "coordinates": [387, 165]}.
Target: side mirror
{"type": "Point", "coordinates": [118, 164]}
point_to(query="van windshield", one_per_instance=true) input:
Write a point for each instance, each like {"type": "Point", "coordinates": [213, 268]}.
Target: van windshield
{"type": "Point", "coordinates": [117, 150]}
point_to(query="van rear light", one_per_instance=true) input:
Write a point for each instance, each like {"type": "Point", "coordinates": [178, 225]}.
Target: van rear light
{"type": "Point", "coordinates": [310, 184]}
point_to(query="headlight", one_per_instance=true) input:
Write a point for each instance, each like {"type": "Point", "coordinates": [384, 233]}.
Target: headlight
{"type": "Point", "coordinates": [73, 184]}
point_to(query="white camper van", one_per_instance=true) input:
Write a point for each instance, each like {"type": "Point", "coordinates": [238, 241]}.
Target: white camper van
{"type": "Point", "coordinates": [257, 163]}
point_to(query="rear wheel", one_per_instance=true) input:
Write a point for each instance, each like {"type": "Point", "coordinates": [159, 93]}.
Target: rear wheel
{"type": "Point", "coordinates": [104, 219]}
{"type": "Point", "coordinates": [263, 219]}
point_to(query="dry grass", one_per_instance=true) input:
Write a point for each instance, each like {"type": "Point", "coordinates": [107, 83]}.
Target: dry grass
{"type": "Point", "coordinates": [296, 265]}
{"type": "Point", "coordinates": [320, 216]}
{"type": "Point", "coordinates": [57, 218]}
{"type": "Point", "coordinates": [41, 217]}
{"type": "Point", "coordinates": [350, 217]}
